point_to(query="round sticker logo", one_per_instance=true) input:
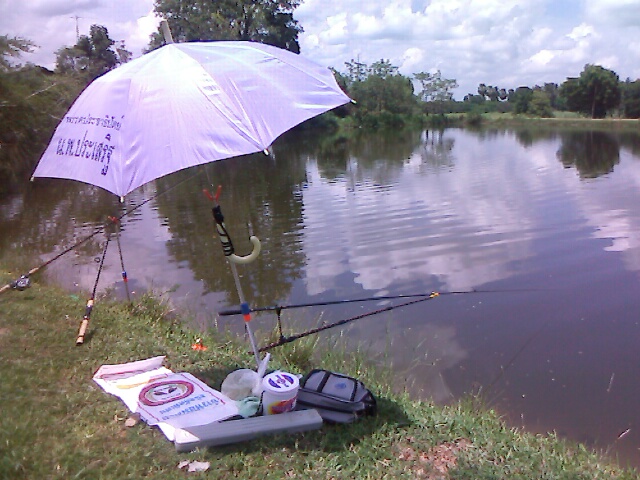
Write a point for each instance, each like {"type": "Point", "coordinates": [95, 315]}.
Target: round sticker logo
{"type": "Point", "coordinates": [281, 380]}
{"type": "Point", "coordinates": [164, 392]}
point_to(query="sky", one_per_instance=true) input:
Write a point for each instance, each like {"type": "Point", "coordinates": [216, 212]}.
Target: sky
{"type": "Point", "coordinates": [505, 43]}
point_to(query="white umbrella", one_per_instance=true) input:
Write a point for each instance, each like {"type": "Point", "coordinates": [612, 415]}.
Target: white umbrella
{"type": "Point", "coordinates": [183, 105]}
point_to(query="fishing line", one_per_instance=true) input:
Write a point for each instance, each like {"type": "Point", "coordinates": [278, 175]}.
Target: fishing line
{"type": "Point", "coordinates": [512, 360]}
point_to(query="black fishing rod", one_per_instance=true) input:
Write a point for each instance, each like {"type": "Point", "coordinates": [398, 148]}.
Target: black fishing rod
{"type": "Point", "coordinates": [23, 282]}
{"type": "Point", "coordinates": [288, 339]}
{"type": "Point", "coordinates": [277, 308]}
{"type": "Point", "coordinates": [89, 308]}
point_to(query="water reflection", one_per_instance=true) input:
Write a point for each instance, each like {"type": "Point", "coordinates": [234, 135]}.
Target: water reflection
{"type": "Point", "coordinates": [550, 215]}
{"type": "Point", "coordinates": [48, 219]}
{"type": "Point", "coordinates": [591, 153]}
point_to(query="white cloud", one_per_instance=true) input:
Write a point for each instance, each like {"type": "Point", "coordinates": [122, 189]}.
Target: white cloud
{"type": "Point", "coordinates": [336, 31]}
{"type": "Point", "coordinates": [543, 57]}
{"type": "Point", "coordinates": [614, 13]}
{"type": "Point", "coordinates": [412, 56]}
{"type": "Point", "coordinates": [507, 43]}
{"type": "Point", "coordinates": [581, 32]}
{"type": "Point", "coordinates": [51, 24]}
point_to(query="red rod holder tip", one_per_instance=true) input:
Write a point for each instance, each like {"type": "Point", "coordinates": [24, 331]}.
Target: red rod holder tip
{"type": "Point", "coordinates": [207, 194]}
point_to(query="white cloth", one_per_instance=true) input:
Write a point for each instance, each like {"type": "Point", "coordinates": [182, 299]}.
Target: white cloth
{"type": "Point", "coordinates": [163, 398]}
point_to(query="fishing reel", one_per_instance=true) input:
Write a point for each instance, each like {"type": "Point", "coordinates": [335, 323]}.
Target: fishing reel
{"type": "Point", "coordinates": [22, 283]}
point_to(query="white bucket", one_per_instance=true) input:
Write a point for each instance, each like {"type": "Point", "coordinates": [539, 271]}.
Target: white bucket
{"type": "Point", "coordinates": [280, 391]}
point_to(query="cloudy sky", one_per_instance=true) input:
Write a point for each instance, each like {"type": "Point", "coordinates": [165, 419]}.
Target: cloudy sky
{"type": "Point", "coordinates": [507, 43]}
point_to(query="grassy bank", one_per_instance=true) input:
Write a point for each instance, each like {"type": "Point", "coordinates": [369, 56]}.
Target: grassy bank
{"type": "Point", "coordinates": [560, 119]}
{"type": "Point", "coordinates": [56, 423]}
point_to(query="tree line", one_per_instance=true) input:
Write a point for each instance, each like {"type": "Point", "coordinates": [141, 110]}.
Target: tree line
{"type": "Point", "coordinates": [33, 99]}
{"type": "Point", "coordinates": [595, 93]}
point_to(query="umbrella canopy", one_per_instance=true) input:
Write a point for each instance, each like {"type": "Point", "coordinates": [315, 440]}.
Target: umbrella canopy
{"type": "Point", "coordinates": [183, 105]}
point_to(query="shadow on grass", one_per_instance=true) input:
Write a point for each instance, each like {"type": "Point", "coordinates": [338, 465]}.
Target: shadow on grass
{"type": "Point", "coordinates": [329, 438]}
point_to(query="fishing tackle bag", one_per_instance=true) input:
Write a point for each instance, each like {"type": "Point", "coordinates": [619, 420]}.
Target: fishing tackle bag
{"type": "Point", "coordinates": [337, 398]}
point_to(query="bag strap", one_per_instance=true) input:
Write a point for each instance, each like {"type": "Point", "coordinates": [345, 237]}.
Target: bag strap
{"type": "Point", "coordinates": [325, 379]}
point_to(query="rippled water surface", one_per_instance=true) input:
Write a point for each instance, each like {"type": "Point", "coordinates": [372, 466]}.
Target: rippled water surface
{"type": "Point", "coordinates": [543, 224]}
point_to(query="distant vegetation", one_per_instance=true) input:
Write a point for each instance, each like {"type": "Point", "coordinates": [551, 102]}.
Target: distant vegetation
{"type": "Point", "coordinates": [384, 96]}
{"type": "Point", "coordinates": [33, 99]}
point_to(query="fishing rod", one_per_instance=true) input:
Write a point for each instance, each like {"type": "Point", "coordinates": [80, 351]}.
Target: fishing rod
{"type": "Point", "coordinates": [288, 339]}
{"type": "Point", "coordinates": [276, 308]}
{"type": "Point", "coordinates": [421, 297]}
{"type": "Point", "coordinates": [89, 308]}
{"type": "Point", "coordinates": [125, 279]}
{"type": "Point", "coordinates": [24, 282]}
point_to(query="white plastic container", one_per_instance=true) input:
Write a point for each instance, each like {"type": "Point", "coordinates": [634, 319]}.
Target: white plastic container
{"type": "Point", "coordinates": [280, 392]}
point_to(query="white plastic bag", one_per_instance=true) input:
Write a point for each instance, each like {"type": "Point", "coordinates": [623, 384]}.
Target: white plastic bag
{"type": "Point", "coordinates": [244, 383]}
{"type": "Point", "coordinates": [239, 384]}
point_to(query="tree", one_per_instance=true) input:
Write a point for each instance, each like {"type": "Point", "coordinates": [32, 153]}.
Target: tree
{"type": "Point", "coordinates": [594, 93]}
{"type": "Point", "coordinates": [492, 93]}
{"type": "Point", "coordinates": [91, 56]}
{"type": "Point", "coordinates": [521, 98]}
{"type": "Point", "coordinates": [356, 71]}
{"type": "Point", "coordinates": [383, 69]}
{"type": "Point", "coordinates": [551, 90]}
{"type": "Point", "coordinates": [540, 105]}
{"type": "Point", "coordinates": [473, 99]}
{"type": "Point", "coordinates": [383, 95]}
{"type": "Point", "coordinates": [12, 48]}
{"type": "Point", "coordinates": [434, 88]}
{"type": "Point", "coordinates": [32, 98]}
{"type": "Point", "coordinates": [482, 90]}
{"type": "Point", "coordinates": [264, 21]}
{"type": "Point", "coordinates": [631, 98]}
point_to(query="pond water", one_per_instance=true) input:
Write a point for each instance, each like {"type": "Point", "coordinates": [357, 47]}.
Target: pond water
{"type": "Point", "coordinates": [543, 224]}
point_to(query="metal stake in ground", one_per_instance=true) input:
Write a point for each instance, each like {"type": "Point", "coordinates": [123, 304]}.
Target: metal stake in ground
{"type": "Point", "coordinates": [229, 252]}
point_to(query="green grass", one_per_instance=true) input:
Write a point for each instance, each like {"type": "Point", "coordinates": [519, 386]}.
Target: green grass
{"type": "Point", "coordinates": [55, 423]}
{"type": "Point", "coordinates": [560, 118]}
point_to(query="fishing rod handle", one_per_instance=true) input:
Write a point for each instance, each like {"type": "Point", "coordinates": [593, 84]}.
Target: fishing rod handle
{"type": "Point", "coordinates": [82, 331]}
{"type": "Point", "coordinates": [85, 322]}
